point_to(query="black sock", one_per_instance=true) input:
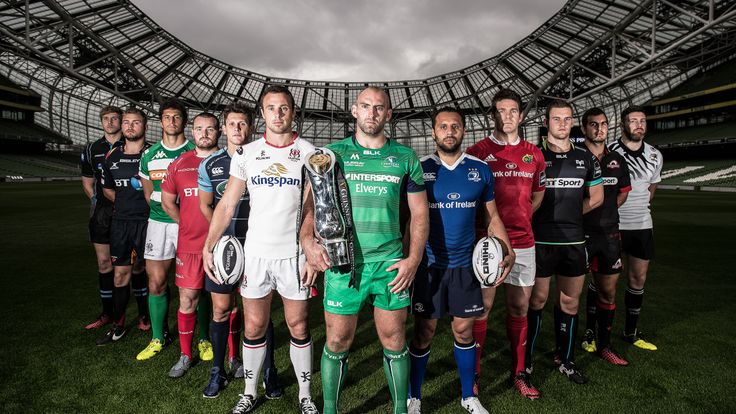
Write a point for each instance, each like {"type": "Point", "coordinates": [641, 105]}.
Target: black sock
{"type": "Point", "coordinates": [633, 300]}
{"type": "Point", "coordinates": [591, 303]}
{"type": "Point", "coordinates": [139, 281]}
{"type": "Point", "coordinates": [606, 313]}
{"type": "Point", "coordinates": [219, 332]}
{"type": "Point", "coordinates": [567, 329]}
{"type": "Point", "coordinates": [558, 335]}
{"type": "Point", "coordinates": [106, 285]}
{"type": "Point", "coordinates": [269, 363]}
{"type": "Point", "coordinates": [121, 296]}
{"type": "Point", "coordinates": [534, 322]}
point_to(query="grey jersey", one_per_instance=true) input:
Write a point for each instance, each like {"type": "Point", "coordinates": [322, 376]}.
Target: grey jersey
{"type": "Point", "coordinates": [645, 167]}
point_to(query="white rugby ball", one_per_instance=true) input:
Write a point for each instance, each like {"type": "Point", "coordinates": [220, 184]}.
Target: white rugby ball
{"type": "Point", "coordinates": [487, 258]}
{"type": "Point", "coordinates": [229, 260]}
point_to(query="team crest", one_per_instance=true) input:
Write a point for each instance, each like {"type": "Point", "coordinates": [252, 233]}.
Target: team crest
{"type": "Point", "coordinates": [419, 307]}
{"type": "Point", "coordinates": [239, 150]}
{"type": "Point", "coordinates": [528, 158]}
{"type": "Point", "coordinates": [390, 162]}
{"type": "Point", "coordinates": [295, 155]}
{"type": "Point", "coordinates": [473, 175]}
{"type": "Point", "coordinates": [613, 164]}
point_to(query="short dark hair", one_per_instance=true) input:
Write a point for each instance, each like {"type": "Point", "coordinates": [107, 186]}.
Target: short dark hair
{"type": "Point", "coordinates": [447, 109]}
{"type": "Point", "coordinates": [277, 89]}
{"type": "Point", "coordinates": [556, 103]}
{"type": "Point", "coordinates": [595, 111]}
{"type": "Point", "coordinates": [377, 89]}
{"type": "Point", "coordinates": [238, 107]}
{"type": "Point", "coordinates": [630, 109]}
{"type": "Point", "coordinates": [110, 109]}
{"type": "Point", "coordinates": [173, 103]}
{"type": "Point", "coordinates": [134, 110]}
{"type": "Point", "coordinates": [505, 93]}
{"type": "Point", "coordinates": [208, 115]}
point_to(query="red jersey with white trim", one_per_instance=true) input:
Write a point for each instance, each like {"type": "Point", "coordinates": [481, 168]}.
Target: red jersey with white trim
{"type": "Point", "coordinates": [181, 179]}
{"type": "Point", "coordinates": [518, 170]}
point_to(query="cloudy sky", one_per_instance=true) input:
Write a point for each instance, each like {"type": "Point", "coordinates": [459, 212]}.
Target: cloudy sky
{"type": "Point", "coordinates": [348, 40]}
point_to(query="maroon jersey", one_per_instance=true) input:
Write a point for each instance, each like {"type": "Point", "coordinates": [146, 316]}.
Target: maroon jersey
{"type": "Point", "coordinates": [518, 171]}
{"type": "Point", "coordinates": [181, 179]}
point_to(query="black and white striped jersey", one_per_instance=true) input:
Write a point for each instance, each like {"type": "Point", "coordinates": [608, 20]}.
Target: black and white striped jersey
{"type": "Point", "coordinates": [645, 167]}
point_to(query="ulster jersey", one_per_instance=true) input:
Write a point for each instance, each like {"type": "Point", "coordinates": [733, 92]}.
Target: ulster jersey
{"type": "Point", "coordinates": [645, 167]}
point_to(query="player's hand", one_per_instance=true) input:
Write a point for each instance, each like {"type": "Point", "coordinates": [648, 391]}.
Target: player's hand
{"type": "Point", "coordinates": [316, 254]}
{"type": "Point", "coordinates": [308, 275]}
{"type": "Point", "coordinates": [209, 264]}
{"type": "Point", "coordinates": [407, 269]}
{"type": "Point", "coordinates": [507, 263]}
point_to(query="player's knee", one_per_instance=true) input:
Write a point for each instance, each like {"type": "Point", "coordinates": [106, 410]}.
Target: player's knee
{"type": "Point", "coordinates": [298, 330]}
{"type": "Point", "coordinates": [569, 305]}
{"type": "Point", "coordinates": [517, 310]}
{"type": "Point", "coordinates": [254, 328]}
{"type": "Point", "coordinates": [423, 336]}
{"type": "Point", "coordinates": [104, 264]}
{"type": "Point", "coordinates": [607, 297]}
{"type": "Point", "coordinates": [220, 313]}
{"type": "Point", "coordinates": [338, 341]}
{"type": "Point", "coordinates": [464, 337]}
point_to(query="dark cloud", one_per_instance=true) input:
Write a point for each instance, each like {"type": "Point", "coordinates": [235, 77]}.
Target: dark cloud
{"type": "Point", "coordinates": [347, 40]}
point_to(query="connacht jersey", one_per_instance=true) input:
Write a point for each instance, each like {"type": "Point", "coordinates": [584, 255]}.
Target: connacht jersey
{"type": "Point", "coordinates": [615, 175]}
{"type": "Point", "coordinates": [91, 161]}
{"type": "Point", "coordinates": [273, 179]}
{"type": "Point", "coordinates": [376, 179]}
{"type": "Point", "coordinates": [559, 220]}
{"type": "Point", "coordinates": [153, 167]}
{"type": "Point", "coordinates": [645, 167]}
{"type": "Point", "coordinates": [518, 170]}
{"type": "Point", "coordinates": [120, 173]}
{"type": "Point", "coordinates": [181, 179]}
{"type": "Point", "coordinates": [214, 172]}
{"type": "Point", "coordinates": [455, 193]}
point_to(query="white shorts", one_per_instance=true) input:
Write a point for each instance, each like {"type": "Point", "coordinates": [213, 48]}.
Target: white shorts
{"type": "Point", "coordinates": [161, 240]}
{"type": "Point", "coordinates": [525, 266]}
{"type": "Point", "coordinates": [265, 275]}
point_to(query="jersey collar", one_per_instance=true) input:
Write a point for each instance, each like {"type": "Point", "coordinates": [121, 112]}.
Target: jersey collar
{"type": "Point", "coordinates": [499, 142]}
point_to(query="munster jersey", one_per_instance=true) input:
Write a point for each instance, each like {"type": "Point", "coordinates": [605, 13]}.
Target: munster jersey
{"type": "Point", "coordinates": [559, 220]}
{"type": "Point", "coordinates": [518, 170]}
{"type": "Point", "coordinates": [181, 179]}
{"type": "Point", "coordinates": [376, 179]}
{"type": "Point", "coordinates": [91, 162]}
{"type": "Point", "coordinates": [120, 173]}
{"type": "Point", "coordinates": [615, 176]}
{"type": "Point", "coordinates": [273, 177]}
{"type": "Point", "coordinates": [455, 193]}
{"type": "Point", "coordinates": [214, 172]}
{"type": "Point", "coordinates": [645, 167]}
{"type": "Point", "coordinates": [153, 167]}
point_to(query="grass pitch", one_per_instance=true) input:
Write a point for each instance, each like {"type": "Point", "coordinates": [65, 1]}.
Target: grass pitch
{"type": "Point", "coordinates": [48, 291]}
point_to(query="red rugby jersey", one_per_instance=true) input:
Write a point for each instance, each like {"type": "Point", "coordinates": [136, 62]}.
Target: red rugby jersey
{"type": "Point", "coordinates": [181, 179]}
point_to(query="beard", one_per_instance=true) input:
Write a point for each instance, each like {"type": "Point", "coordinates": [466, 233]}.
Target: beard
{"type": "Point", "coordinates": [449, 149]}
{"type": "Point", "coordinates": [205, 144]}
{"type": "Point", "coordinates": [635, 136]}
{"type": "Point", "coordinates": [133, 137]}
{"type": "Point", "coordinates": [371, 129]}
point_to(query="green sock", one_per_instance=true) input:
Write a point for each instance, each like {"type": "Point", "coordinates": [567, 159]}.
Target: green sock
{"type": "Point", "coordinates": [157, 306]}
{"type": "Point", "coordinates": [396, 367]}
{"type": "Point", "coordinates": [334, 368]}
{"type": "Point", "coordinates": [204, 314]}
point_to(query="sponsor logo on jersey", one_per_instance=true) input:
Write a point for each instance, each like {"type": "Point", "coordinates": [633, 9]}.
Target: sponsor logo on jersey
{"type": "Point", "coordinates": [157, 175]}
{"type": "Point", "coordinates": [384, 178]}
{"type": "Point", "coordinates": [218, 171]}
{"type": "Point", "coordinates": [617, 265]}
{"type": "Point", "coordinates": [263, 156]}
{"type": "Point", "coordinates": [511, 165]}
{"type": "Point", "coordinates": [430, 176]}
{"type": "Point", "coordinates": [159, 154]}
{"type": "Point", "coordinates": [564, 182]}
{"type": "Point", "coordinates": [354, 163]}
{"type": "Point", "coordinates": [334, 303]}
{"type": "Point", "coordinates": [613, 165]}
{"type": "Point", "coordinates": [490, 157]}
{"type": "Point", "coordinates": [275, 177]}
{"type": "Point", "coordinates": [453, 196]}
{"type": "Point", "coordinates": [191, 192]}
{"type": "Point", "coordinates": [610, 180]}
{"type": "Point", "coordinates": [473, 175]}
{"type": "Point", "coordinates": [560, 155]}
{"type": "Point", "coordinates": [452, 204]}
{"type": "Point", "coordinates": [121, 182]}
{"type": "Point", "coordinates": [371, 152]}
{"type": "Point", "coordinates": [542, 178]}
{"type": "Point", "coordinates": [404, 294]}
{"type": "Point", "coordinates": [354, 157]}
{"type": "Point", "coordinates": [276, 169]}
{"type": "Point", "coordinates": [220, 189]}
{"type": "Point", "coordinates": [527, 158]}
{"type": "Point", "coordinates": [580, 164]}
{"type": "Point", "coordinates": [294, 154]}
{"type": "Point", "coordinates": [114, 165]}
{"type": "Point", "coordinates": [391, 162]}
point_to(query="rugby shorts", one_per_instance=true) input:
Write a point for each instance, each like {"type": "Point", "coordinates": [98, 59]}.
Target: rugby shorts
{"type": "Point", "coordinates": [161, 240]}
{"type": "Point", "coordinates": [189, 270]}
{"type": "Point", "coordinates": [371, 286]}
{"type": "Point", "coordinates": [439, 291]}
{"type": "Point", "coordinates": [638, 243]}
{"type": "Point", "coordinates": [604, 252]}
{"type": "Point", "coordinates": [522, 273]}
{"type": "Point", "coordinates": [561, 260]}
{"type": "Point", "coordinates": [99, 224]}
{"type": "Point", "coordinates": [127, 241]}
{"type": "Point", "coordinates": [265, 275]}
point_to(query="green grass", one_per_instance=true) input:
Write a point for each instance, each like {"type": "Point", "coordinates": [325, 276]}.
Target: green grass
{"type": "Point", "coordinates": [51, 365]}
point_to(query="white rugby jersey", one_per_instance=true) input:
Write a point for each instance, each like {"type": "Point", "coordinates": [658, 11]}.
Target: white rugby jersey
{"type": "Point", "coordinates": [273, 178]}
{"type": "Point", "coordinates": [645, 167]}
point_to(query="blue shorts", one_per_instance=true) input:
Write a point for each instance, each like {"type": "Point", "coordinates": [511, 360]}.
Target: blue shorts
{"type": "Point", "coordinates": [438, 291]}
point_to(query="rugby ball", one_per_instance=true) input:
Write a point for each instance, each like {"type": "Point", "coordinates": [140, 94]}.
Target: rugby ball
{"type": "Point", "coordinates": [229, 260]}
{"type": "Point", "coordinates": [487, 258]}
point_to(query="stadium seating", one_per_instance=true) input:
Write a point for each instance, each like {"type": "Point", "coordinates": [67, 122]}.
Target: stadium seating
{"type": "Point", "coordinates": [710, 173]}
{"type": "Point", "coordinates": [36, 166]}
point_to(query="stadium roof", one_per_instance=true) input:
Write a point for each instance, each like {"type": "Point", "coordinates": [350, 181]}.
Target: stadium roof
{"type": "Point", "coordinates": [82, 54]}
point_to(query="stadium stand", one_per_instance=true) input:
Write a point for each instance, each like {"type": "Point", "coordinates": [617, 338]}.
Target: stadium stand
{"type": "Point", "coordinates": [20, 167]}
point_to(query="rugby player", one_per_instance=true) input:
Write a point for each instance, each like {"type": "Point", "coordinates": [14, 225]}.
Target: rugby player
{"type": "Point", "coordinates": [603, 242]}
{"type": "Point", "coordinates": [92, 159]}
{"type": "Point", "coordinates": [573, 189]}
{"type": "Point", "coordinates": [270, 169]}
{"type": "Point", "coordinates": [162, 230]}
{"type": "Point", "coordinates": [226, 324]}
{"type": "Point", "coordinates": [377, 170]}
{"type": "Point", "coordinates": [457, 186]}
{"type": "Point", "coordinates": [635, 221]}
{"type": "Point", "coordinates": [122, 186]}
{"type": "Point", "coordinates": [181, 185]}
{"type": "Point", "coordinates": [518, 171]}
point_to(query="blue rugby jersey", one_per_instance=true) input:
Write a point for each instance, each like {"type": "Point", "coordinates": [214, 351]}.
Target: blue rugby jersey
{"type": "Point", "coordinates": [214, 172]}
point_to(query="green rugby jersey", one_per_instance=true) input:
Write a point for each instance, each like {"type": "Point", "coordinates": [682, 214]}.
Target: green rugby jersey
{"type": "Point", "coordinates": [376, 179]}
{"type": "Point", "coordinates": [154, 162]}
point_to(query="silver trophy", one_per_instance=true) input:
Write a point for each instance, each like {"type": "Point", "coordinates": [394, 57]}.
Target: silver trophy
{"type": "Point", "coordinates": [329, 222]}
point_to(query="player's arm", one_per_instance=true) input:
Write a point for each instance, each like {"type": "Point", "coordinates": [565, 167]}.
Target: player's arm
{"type": "Point", "coordinates": [537, 198]}
{"type": "Point", "coordinates": [206, 199]}
{"type": "Point", "coordinates": [621, 198]}
{"type": "Point", "coordinates": [147, 189]}
{"type": "Point", "coordinates": [221, 217]}
{"type": "Point", "coordinates": [168, 203]}
{"type": "Point", "coordinates": [88, 176]}
{"type": "Point", "coordinates": [88, 185]}
{"type": "Point", "coordinates": [594, 198]}
{"type": "Point", "coordinates": [652, 189]}
{"type": "Point", "coordinates": [498, 230]}
{"type": "Point", "coordinates": [418, 233]}
{"type": "Point", "coordinates": [109, 194]}
{"type": "Point", "coordinates": [315, 253]}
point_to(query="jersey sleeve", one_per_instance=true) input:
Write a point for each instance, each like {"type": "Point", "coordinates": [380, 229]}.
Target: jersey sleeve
{"type": "Point", "coordinates": [85, 162]}
{"type": "Point", "coordinates": [169, 182]}
{"type": "Point", "coordinates": [415, 184]}
{"type": "Point", "coordinates": [489, 181]}
{"type": "Point", "coordinates": [143, 167]}
{"type": "Point", "coordinates": [238, 165]}
{"type": "Point", "coordinates": [203, 179]}
{"type": "Point", "coordinates": [107, 180]}
{"type": "Point", "coordinates": [539, 182]}
{"type": "Point", "coordinates": [624, 184]}
{"type": "Point", "coordinates": [657, 176]}
{"type": "Point", "coordinates": [593, 175]}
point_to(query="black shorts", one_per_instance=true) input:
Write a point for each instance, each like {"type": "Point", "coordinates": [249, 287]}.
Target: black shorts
{"type": "Point", "coordinates": [561, 260]}
{"type": "Point", "coordinates": [604, 252]}
{"type": "Point", "coordinates": [438, 291]}
{"type": "Point", "coordinates": [127, 241]}
{"type": "Point", "coordinates": [99, 224]}
{"type": "Point", "coordinates": [213, 287]}
{"type": "Point", "coordinates": [638, 243]}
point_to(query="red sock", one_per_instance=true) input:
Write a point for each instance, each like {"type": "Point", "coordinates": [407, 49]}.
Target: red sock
{"type": "Point", "coordinates": [516, 328]}
{"type": "Point", "coordinates": [187, 321]}
{"type": "Point", "coordinates": [233, 340]}
{"type": "Point", "coordinates": [479, 334]}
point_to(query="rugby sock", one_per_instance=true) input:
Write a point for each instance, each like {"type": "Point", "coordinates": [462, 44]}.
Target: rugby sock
{"type": "Point", "coordinates": [157, 307]}
{"type": "Point", "coordinates": [236, 326]}
{"type": "Point", "coordinates": [139, 282]}
{"type": "Point", "coordinates": [301, 355]}
{"type": "Point", "coordinates": [166, 310]}
{"type": "Point", "coordinates": [187, 322]}
{"type": "Point", "coordinates": [204, 314]}
{"type": "Point", "coordinates": [480, 328]}
{"type": "Point", "coordinates": [534, 326]}
{"type": "Point", "coordinates": [566, 329]}
{"type": "Point", "coordinates": [219, 335]}
{"type": "Point", "coordinates": [606, 311]}
{"type": "Point", "coordinates": [396, 368]}
{"type": "Point", "coordinates": [107, 284]}
{"type": "Point", "coordinates": [419, 358]}
{"type": "Point", "coordinates": [516, 330]}
{"type": "Point", "coordinates": [558, 335]}
{"type": "Point", "coordinates": [465, 359]}
{"type": "Point", "coordinates": [254, 351]}
{"type": "Point", "coordinates": [270, 363]}
{"type": "Point", "coordinates": [591, 301]}
{"type": "Point", "coordinates": [120, 296]}
{"type": "Point", "coordinates": [333, 369]}
{"type": "Point", "coordinates": [633, 300]}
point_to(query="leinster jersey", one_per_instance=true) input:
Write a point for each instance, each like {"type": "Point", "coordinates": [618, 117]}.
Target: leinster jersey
{"type": "Point", "coordinates": [645, 167]}
{"type": "Point", "coordinates": [455, 193]}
